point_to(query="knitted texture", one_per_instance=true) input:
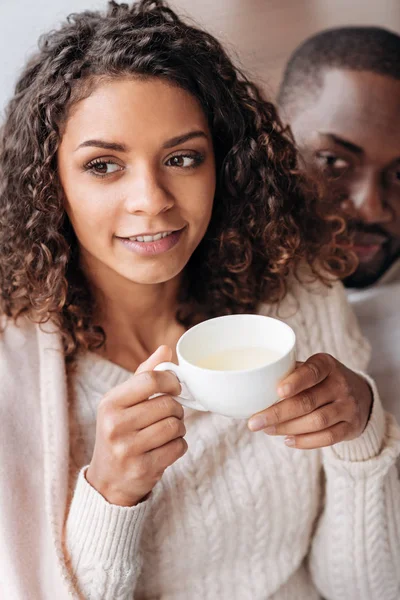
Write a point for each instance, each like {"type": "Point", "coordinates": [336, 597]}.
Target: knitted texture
{"type": "Point", "coordinates": [241, 516]}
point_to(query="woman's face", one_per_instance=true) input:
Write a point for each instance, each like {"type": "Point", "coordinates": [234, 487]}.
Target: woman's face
{"type": "Point", "coordinates": [136, 164]}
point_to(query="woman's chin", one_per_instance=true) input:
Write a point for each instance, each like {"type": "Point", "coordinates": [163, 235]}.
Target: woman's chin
{"type": "Point", "coordinates": [152, 276]}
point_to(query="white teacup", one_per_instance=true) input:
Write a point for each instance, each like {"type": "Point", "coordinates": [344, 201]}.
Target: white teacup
{"type": "Point", "coordinates": [263, 346]}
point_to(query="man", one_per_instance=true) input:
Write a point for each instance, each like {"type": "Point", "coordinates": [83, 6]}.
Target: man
{"type": "Point", "coordinates": [341, 95]}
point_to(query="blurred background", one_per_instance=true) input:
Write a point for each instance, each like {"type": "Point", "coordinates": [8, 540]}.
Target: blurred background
{"type": "Point", "coordinates": [260, 33]}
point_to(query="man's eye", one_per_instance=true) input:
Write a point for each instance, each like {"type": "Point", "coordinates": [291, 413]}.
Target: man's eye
{"type": "Point", "coordinates": [396, 176]}
{"type": "Point", "coordinates": [334, 165]}
{"type": "Point", "coordinates": [102, 168]}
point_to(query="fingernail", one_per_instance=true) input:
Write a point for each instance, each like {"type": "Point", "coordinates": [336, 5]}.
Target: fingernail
{"type": "Point", "coordinates": [284, 390]}
{"type": "Point", "coordinates": [270, 430]}
{"type": "Point", "coordinates": [257, 423]}
{"type": "Point", "coordinates": [290, 441]}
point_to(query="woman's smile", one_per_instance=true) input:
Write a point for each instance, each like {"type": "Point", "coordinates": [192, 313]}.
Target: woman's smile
{"type": "Point", "coordinates": [151, 245]}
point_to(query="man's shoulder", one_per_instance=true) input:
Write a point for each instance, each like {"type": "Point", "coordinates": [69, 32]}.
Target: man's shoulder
{"type": "Point", "coordinates": [380, 300]}
{"type": "Point", "coordinates": [389, 282]}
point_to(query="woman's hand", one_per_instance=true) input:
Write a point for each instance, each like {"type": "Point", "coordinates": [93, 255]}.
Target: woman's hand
{"type": "Point", "coordinates": [323, 403]}
{"type": "Point", "coordinates": [137, 438]}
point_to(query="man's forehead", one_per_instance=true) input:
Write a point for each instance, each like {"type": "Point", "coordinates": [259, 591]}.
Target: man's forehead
{"type": "Point", "coordinates": [362, 107]}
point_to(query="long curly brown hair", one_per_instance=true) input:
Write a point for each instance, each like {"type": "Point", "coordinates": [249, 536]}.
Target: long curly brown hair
{"type": "Point", "coordinates": [267, 217]}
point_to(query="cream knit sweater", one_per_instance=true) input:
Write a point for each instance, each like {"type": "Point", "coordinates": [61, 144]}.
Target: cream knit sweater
{"type": "Point", "coordinates": [241, 516]}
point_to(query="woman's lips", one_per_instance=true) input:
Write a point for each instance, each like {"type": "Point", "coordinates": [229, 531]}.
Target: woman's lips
{"type": "Point", "coordinates": [153, 248]}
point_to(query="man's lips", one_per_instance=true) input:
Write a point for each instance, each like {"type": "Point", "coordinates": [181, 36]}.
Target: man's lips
{"type": "Point", "coordinates": [369, 239]}
{"type": "Point", "coordinates": [367, 244]}
{"type": "Point", "coordinates": [366, 253]}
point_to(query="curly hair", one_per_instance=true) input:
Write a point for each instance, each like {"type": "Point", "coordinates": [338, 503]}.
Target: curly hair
{"type": "Point", "coordinates": [267, 217]}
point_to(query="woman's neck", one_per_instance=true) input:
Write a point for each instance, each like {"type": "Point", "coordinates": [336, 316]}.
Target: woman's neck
{"type": "Point", "coordinates": [136, 318]}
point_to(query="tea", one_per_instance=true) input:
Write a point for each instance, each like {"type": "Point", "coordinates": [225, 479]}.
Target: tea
{"type": "Point", "coordinates": [238, 359]}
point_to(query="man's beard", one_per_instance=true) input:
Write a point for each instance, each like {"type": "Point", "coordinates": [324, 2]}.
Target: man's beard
{"type": "Point", "coordinates": [367, 274]}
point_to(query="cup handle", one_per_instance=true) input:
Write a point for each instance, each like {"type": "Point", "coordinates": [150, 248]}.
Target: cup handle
{"type": "Point", "coordinates": [185, 398]}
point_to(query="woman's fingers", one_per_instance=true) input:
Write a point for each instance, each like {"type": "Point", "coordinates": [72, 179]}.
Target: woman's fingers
{"type": "Point", "coordinates": [141, 386]}
{"type": "Point", "coordinates": [165, 456]}
{"type": "Point", "coordinates": [333, 435]}
{"type": "Point", "coordinates": [144, 414]}
{"type": "Point", "coordinates": [318, 420]}
{"type": "Point", "coordinates": [153, 410]}
{"type": "Point", "coordinates": [158, 435]}
{"type": "Point", "coordinates": [134, 420]}
{"type": "Point", "coordinates": [162, 354]}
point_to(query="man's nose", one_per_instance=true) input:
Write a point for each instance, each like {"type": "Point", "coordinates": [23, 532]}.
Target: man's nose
{"type": "Point", "coordinates": [147, 194]}
{"type": "Point", "coordinates": [367, 203]}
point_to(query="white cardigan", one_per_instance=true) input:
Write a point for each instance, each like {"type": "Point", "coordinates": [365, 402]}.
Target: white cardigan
{"type": "Point", "coordinates": [34, 455]}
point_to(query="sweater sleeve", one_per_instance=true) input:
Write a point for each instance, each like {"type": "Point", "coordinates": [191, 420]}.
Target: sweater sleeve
{"type": "Point", "coordinates": [102, 543]}
{"type": "Point", "coordinates": [355, 550]}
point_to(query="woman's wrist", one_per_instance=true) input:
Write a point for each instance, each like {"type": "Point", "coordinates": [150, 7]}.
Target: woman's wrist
{"type": "Point", "coordinates": [112, 496]}
{"type": "Point", "coordinates": [97, 529]}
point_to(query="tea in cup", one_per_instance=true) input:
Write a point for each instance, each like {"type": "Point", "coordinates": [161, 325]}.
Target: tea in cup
{"type": "Point", "coordinates": [232, 365]}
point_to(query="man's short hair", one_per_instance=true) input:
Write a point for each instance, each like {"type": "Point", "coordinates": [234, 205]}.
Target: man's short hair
{"type": "Point", "coordinates": [372, 49]}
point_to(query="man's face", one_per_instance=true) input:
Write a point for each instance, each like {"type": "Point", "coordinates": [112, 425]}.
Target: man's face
{"type": "Point", "coordinates": [352, 133]}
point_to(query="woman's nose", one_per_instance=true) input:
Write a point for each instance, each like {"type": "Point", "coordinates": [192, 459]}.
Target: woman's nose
{"type": "Point", "coordinates": [146, 193]}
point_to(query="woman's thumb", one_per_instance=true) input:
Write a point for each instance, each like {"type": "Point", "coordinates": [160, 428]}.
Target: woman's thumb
{"type": "Point", "coordinates": [162, 354]}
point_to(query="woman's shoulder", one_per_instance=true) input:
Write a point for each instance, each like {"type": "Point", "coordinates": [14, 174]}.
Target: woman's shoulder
{"type": "Point", "coordinates": [322, 318]}
{"type": "Point", "coordinates": [308, 293]}
{"type": "Point", "coordinates": [312, 305]}
{"type": "Point", "coordinates": [18, 346]}
{"type": "Point", "coordinates": [16, 334]}
{"type": "Point", "coordinates": [19, 367]}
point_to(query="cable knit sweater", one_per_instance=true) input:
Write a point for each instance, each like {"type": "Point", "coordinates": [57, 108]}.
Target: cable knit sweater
{"type": "Point", "coordinates": [241, 516]}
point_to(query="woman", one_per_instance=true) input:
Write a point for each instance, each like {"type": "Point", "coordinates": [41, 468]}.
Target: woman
{"type": "Point", "coordinates": [147, 186]}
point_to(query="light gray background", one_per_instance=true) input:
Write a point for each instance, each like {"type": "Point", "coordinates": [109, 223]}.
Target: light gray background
{"type": "Point", "coordinates": [263, 32]}
{"type": "Point", "coordinates": [21, 24]}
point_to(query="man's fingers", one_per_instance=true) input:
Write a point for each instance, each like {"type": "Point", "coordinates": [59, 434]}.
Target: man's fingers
{"type": "Point", "coordinates": [292, 408]}
{"type": "Point", "coordinates": [319, 420]}
{"type": "Point", "coordinates": [313, 371]}
{"type": "Point", "coordinates": [333, 435]}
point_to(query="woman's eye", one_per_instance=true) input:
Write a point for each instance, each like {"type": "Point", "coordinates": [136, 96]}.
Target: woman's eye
{"type": "Point", "coordinates": [332, 164]}
{"type": "Point", "coordinates": [102, 168]}
{"type": "Point", "coordinates": [184, 161]}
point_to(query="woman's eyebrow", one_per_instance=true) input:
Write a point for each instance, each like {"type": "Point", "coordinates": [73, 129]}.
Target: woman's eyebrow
{"type": "Point", "coordinates": [104, 145]}
{"type": "Point", "coordinates": [118, 147]}
{"type": "Point", "coordinates": [180, 139]}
